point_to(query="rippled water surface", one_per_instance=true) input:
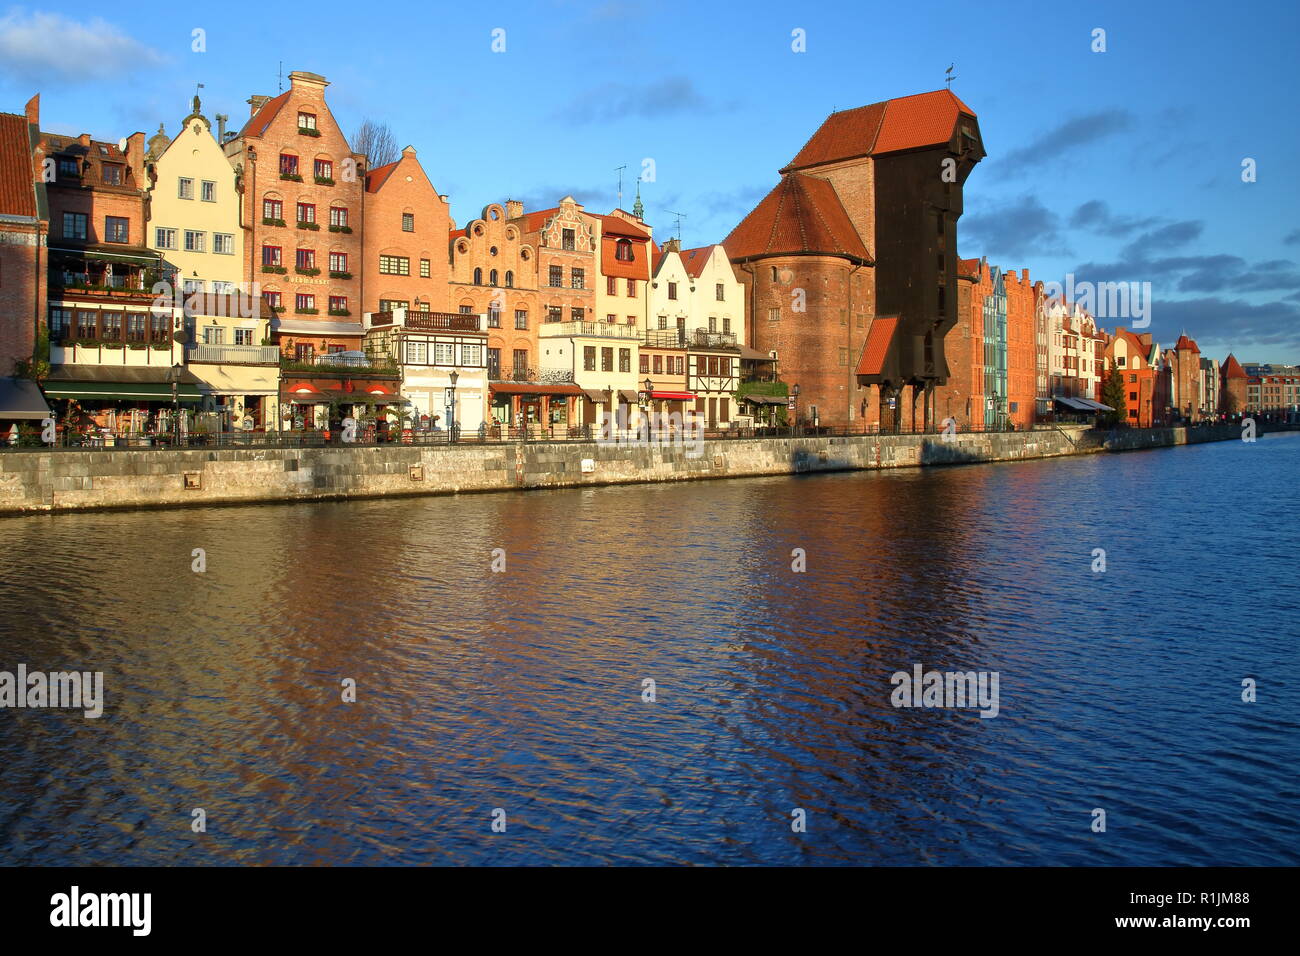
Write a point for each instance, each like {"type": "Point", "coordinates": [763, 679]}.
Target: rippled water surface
{"type": "Point", "coordinates": [522, 690]}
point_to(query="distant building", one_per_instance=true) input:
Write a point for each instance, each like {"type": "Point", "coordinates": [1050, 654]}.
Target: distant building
{"type": "Point", "coordinates": [1130, 353]}
{"type": "Point", "coordinates": [1185, 366]}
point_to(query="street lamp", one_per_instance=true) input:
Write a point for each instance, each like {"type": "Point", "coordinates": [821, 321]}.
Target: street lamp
{"type": "Point", "coordinates": [174, 377]}
{"type": "Point", "coordinates": [451, 407]}
{"type": "Point", "coordinates": [794, 391]}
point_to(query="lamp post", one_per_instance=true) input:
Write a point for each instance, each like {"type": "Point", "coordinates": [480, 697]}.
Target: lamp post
{"type": "Point", "coordinates": [609, 410]}
{"type": "Point", "coordinates": [649, 386]}
{"type": "Point", "coordinates": [451, 408]}
{"type": "Point", "coordinates": [794, 425]}
{"type": "Point", "coordinates": [174, 377]}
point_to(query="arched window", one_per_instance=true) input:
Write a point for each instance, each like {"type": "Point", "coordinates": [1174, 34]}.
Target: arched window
{"type": "Point", "coordinates": [510, 279]}
{"type": "Point", "coordinates": [478, 276]}
{"type": "Point", "coordinates": [492, 278]}
{"type": "Point", "coordinates": [623, 250]}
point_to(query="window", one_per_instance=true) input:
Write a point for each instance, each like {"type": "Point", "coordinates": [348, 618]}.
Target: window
{"type": "Point", "coordinates": [774, 315]}
{"type": "Point", "coordinates": [567, 239]}
{"type": "Point", "coordinates": [60, 322]}
{"type": "Point", "coordinates": [555, 276]}
{"type": "Point", "coordinates": [223, 243]}
{"type": "Point", "coordinates": [338, 216]}
{"type": "Point", "coordinates": [471, 356]}
{"type": "Point", "coordinates": [208, 191]}
{"type": "Point", "coordinates": [424, 268]}
{"type": "Point", "coordinates": [607, 360]}
{"type": "Point", "coordinates": [579, 278]}
{"type": "Point", "coordinates": [408, 222]}
{"type": "Point", "coordinates": [272, 299]}
{"type": "Point", "coordinates": [324, 169]}
{"type": "Point", "coordinates": [672, 290]}
{"type": "Point", "coordinates": [554, 313]}
{"type": "Point", "coordinates": [659, 364]}
{"type": "Point", "coordinates": [271, 255]}
{"type": "Point", "coordinates": [214, 335]}
{"type": "Point", "coordinates": [623, 250]}
{"type": "Point", "coordinates": [467, 310]}
{"type": "Point", "coordinates": [85, 325]}
{"type": "Point", "coordinates": [417, 352]}
{"type": "Point", "coordinates": [69, 166]}
{"type": "Point", "coordinates": [164, 238]}
{"type": "Point", "coordinates": [610, 318]}
{"type": "Point", "coordinates": [1132, 396]}
{"type": "Point", "coordinates": [521, 318]}
{"type": "Point", "coordinates": [720, 292]}
{"type": "Point", "coordinates": [306, 120]}
{"type": "Point", "coordinates": [112, 174]}
{"type": "Point", "coordinates": [194, 240]}
{"type": "Point", "coordinates": [135, 330]}
{"type": "Point", "coordinates": [589, 358]}
{"type": "Point", "coordinates": [220, 287]}
{"type": "Point", "coordinates": [272, 209]}
{"type": "Point", "coordinates": [243, 336]}
{"type": "Point", "coordinates": [185, 188]}
{"type": "Point", "coordinates": [288, 165]}
{"type": "Point", "coordinates": [493, 317]}
{"type": "Point", "coordinates": [478, 276]}
{"type": "Point", "coordinates": [663, 321]}
{"type": "Point", "coordinates": [844, 357]}
{"type": "Point", "coordinates": [304, 300]}
{"type": "Point", "coordinates": [631, 287]}
{"type": "Point", "coordinates": [74, 225]}
{"type": "Point", "coordinates": [492, 278]}
{"type": "Point", "coordinates": [611, 285]}
{"type": "Point", "coordinates": [338, 262]}
{"type": "Point", "coordinates": [578, 314]}
{"type": "Point", "coordinates": [521, 361]}
{"type": "Point", "coordinates": [713, 323]}
{"type": "Point", "coordinates": [645, 364]}
{"type": "Point", "coordinates": [1132, 378]}
{"type": "Point", "coordinates": [395, 266]}
{"type": "Point", "coordinates": [625, 360]}
{"type": "Point", "coordinates": [338, 303]}
{"type": "Point", "coordinates": [726, 325]}
{"type": "Point", "coordinates": [510, 279]}
{"type": "Point", "coordinates": [444, 353]}
{"type": "Point", "coordinates": [306, 212]}
{"type": "Point", "coordinates": [112, 326]}
{"type": "Point", "coordinates": [304, 353]}
{"type": "Point", "coordinates": [392, 305]}
{"type": "Point", "coordinates": [306, 259]}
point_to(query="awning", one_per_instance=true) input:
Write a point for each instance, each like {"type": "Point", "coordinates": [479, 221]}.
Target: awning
{"type": "Point", "coordinates": [1095, 406]}
{"type": "Point", "coordinates": [674, 396]}
{"type": "Point", "coordinates": [595, 394]}
{"type": "Point", "coordinates": [347, 398]}
{"type": "Point", "coordinates": [754, 355]}
{"type": "Point", "coordinates": [126, 254]}
{"type": "Point", "coordinates": [1081, 404]}
{"type": "Point", "coordinates": [122, 391]}
{"type": "Point", "coordinates": [309, 327]}
{"type": "Point", "coordinates": [513, 388]}
{"type": "Point", "coordinates": [21, 398]}
{"type": "Point", "coordinates": [629, 396]}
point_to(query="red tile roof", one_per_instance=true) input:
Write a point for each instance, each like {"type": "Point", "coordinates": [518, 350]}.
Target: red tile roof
{"type": "Point", "coordinates": [259, 121]}
{"type": "Point", "coordinates": [1232, 368]}
{"type": "Point", "coordinates": [909, 122]}
{"type": "Point", "coordinates": [1186, 344]}
{"type": "Point", "coordinates": [876, 348]}
{"type": "Point", "coordinates": [802, 214]}
{"type": "Point", "coordinates": [620, 226]}
{"type": "Point", "coordinates": [17, 189]}
{"type": "Point", "coordinates": [696, 259]}
{"type": "Point", "coordinates": [376, 178]}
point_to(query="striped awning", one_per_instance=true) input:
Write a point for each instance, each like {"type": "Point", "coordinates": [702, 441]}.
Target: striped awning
{"type": "Point", "coordinates": [122, 391]}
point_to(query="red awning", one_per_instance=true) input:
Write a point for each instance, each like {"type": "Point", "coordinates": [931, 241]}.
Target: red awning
{"type": "Point", "coordinates": [511, 388]}
{"type": "Point", "coordinates": [877, 346]}
{"type": "Point", "coordinates": [674, 396]}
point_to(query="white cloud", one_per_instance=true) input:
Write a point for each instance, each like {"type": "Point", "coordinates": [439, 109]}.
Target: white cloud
{"type": "Point", "coordinates": [46, 48]}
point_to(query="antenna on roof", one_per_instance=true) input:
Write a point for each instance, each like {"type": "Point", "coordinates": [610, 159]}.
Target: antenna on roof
{"type": "Point", "coordinates": [279, 76]}
{"type": "Point", "coordinates": [949, 75]}
{"type": "Point", "coordinates": [619, 170]}
{"type": "Point", "coordinates": [680, 216]}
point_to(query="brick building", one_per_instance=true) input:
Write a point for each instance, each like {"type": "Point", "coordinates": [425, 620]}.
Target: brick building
{"type": "Point", "coordinates": [1024, 305]}
{"type": "Point", "coordinates": [850, 263]}
{"type": "Point", "coordinates": [303, 215]}
{"type": "Point", "coordinates": [961, 397]}
{"type": "Point", "coordinates": [405, 263]}
{"type": "Point", "coordinates": [1130, 354]}
{"type": "Point", "coordinates": [23, 233]}
{"type": "Point", "coordinates": [1232, 393]}
{"type": "Point", "coordinates": [1185, 364]}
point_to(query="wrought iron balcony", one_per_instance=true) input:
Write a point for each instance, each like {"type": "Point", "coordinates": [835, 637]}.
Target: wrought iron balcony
{"type": "Point", "coordinates": [531, 376]}
{"type": "Point", "coordinates": [595, 330]}
{"type": "Point", "coordinates": [430, 321]}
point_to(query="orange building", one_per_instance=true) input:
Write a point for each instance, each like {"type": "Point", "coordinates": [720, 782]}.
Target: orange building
{"type": "Point", "coordinates": [1130, 354]}
{"type": "Point", "coordinates": [1023, 298]}
{"type": "Point", "coordinates": [405, 239]}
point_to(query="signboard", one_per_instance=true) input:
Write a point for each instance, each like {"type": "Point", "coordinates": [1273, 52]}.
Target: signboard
{"type": "Point", "coordinates": [790, 404]}
{"type": "Point", "coordinates": [893, 402]}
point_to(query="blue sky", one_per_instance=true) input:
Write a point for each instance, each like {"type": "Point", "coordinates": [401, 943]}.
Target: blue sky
{"type": "Point", "coordinates": [1122, 165]}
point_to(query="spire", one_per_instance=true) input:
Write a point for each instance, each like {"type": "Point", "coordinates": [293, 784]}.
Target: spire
{"type": "Point", "coordinates": [638, 210]}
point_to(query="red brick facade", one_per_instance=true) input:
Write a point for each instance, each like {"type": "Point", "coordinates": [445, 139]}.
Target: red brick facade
{"type": "Point", "coordinates": [406, 223]}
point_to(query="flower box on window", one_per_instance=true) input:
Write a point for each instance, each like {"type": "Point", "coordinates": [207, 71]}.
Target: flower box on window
{"type": "Point", "coordinates": [324, 181]}
{"type": "Point", "coordinates": [291, 177]}
{"type": "Point", "coordinates": [309, 225]}
{"type": "Point", "coordinates": [114, 345]}
{"type": "Point", "coordinates": [306, 272]}
{"type": "Point", "coordinates": [307, 311]}
{"type": "Point", "coordinates": [340, 275]}
{"type": "Point", "coordinates": [278, 270]}
{"type": "Point", "coordinates": [273, 222]}
{"type": "Point", "coordinates": [308, 131]}
{"type": "Point", "coordinates": [340, 228]}
{"type": "Point", "coordinates": [161, 346]}
{"type": "Point", "coordinates": [276, 309]}
{"type": "Point", "coordinates": [340, 312]}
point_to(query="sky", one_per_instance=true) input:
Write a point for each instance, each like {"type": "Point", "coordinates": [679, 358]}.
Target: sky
{"type": "Point", "coordinates": [1117, 165]}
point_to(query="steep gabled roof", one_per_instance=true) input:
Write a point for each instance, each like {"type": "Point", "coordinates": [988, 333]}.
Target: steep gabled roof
{"type": "Point", "coordinates": [876, 348]}
{"type": "Point", "coordinates": [259, 121]}
{"type": "Point", "coordinates": [17, 189]}
{"type": "Point", "coordinates": [620, 226]}
{"type": "Point", "coordinates": [1232, 368]}
{"type": "Point", "coordinates": [1186, 344]}
{"type": "Point", "coordinates": [909, 122]}
{"type": "Point", "coordinates": [376, 178]}
{"type": "Point", "coordinates": [802, 214]}
{"type": "Point", "coordinates": [696, 259]}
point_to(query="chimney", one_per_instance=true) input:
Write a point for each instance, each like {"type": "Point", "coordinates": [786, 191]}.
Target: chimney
{"type": "Point", "coordinates": [301, 80]}
{"type": "Point", "coordinates": [673, 245]}
{"type": "Point", "coordinates": [84, 140]}
{"type": "Point", "coordinates": [255, 103]}
{"type": "Point", "coordinates": [33, 111]}
{"type": "Point", "coordinates": [221, 128]}
{"type": "Point", "coordinates": [514, 209]}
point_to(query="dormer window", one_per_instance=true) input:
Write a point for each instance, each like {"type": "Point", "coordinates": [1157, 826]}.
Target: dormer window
{"type": "Point", "coordinates": [112, 174]}
{"type": "Point", "coordinates": [69, 166]}
{"type": "Point", "coordinates": [623, 250]}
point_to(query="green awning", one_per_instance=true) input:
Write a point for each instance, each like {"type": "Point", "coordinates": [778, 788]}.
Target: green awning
{"type": "Point", "coordinates": [122, 391]}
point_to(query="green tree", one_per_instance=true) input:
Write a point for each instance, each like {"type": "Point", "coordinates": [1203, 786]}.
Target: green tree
{"type": "Point", "coordinates": [1112, 394]}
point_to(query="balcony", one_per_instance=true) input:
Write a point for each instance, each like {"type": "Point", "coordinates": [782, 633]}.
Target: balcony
{"type": "Point", "coordinates": [430, 321]}
{"type": "Point", "coordinates": [531, 376]}
{"type": "Point", "coordinates": [234, 354]}
{"type": "Point", "coordinates": [592, 330]}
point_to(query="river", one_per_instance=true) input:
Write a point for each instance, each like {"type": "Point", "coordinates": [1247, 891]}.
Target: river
{"type": "Point", "coordinates": [522, 690]}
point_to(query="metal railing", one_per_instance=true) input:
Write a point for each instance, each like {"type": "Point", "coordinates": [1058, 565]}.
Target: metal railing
{"type": "Point", "coordinates": [234, 354]}
{"type": "Point", "coordinates": [531, 376]}
{"type": "Point", "coordinates": [430, 321]}
{"type": "Point", "coordinates": [595, 330]}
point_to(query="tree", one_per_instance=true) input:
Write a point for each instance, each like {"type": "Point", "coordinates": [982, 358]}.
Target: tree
{"type": "Point", "coordinates": [377, 142]}
{"type": "Point", "coordinates": [1228, 404]}
{"type": "Point", "coordinates": [1112, 394]}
